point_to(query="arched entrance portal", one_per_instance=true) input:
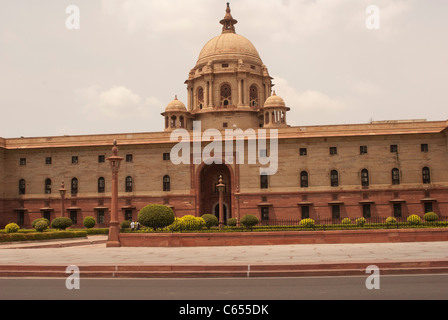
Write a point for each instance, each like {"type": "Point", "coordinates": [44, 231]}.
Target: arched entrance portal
{"type": "Point", "coordinates": [224, 211]}
{"type": "Point", "coordinates": [209, 196]}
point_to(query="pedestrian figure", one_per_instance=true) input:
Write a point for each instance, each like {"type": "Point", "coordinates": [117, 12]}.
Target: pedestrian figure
{"type": "Point", "coordinates": [132, 225]}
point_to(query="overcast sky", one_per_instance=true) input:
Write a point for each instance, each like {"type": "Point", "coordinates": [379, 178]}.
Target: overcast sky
{"type": "Point", "coordinates": [129, 58]}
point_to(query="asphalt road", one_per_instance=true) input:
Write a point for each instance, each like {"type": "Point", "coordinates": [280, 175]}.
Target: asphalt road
{"type": "Point", "coordinates": [391, 287]}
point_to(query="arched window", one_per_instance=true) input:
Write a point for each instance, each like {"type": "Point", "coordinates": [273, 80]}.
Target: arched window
{"type": "Point", "coordinates": [22, 185]}
{"type": "Point", "coordinates": [395, 176]}
{"type": "Point", "coordinates": [304, 179]}
{"type": "Point", "coordinates": [334, 178]}
{"type": "Point", "coordinates": [226, 94]}
{"type": "Point", "coordinates": [181, 121]}
{"type": "Point", "coordinates": [166, 183]}
{"type": "Point", "coordinates": [253, 95]}
{"type": "Point", "coordinates": [101, 185]}
{"type": "Point", "coordinates": [173, 122]}
{"type": "Point", "coordinates": [365, 178]}
{"type": "Point", "coordinates": [47, 186]}
{"type": "Point", "coordinates": [426, 175]}
{"type": "Point", "coordinates": [200, 97]}
{"type": "Point", "coordinates": [128, 184]}
{"type": "Point", "coordinates": [74, 187]}
{"type": "Point", "coordinates": [266, 118]}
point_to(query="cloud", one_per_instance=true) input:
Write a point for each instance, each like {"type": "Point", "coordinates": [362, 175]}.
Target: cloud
{"type": "Point", "coordinates": [117, 102]}
{"type": "Point", "coordinates": [307, 100]}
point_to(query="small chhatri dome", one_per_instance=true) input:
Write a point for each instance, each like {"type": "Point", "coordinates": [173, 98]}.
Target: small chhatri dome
{"type": "Point", "coordinates": [274, 101]}
{"type": "Point", "coordinates": [175, 106]}
{"type": "Point", "coordinates": [228, 23]}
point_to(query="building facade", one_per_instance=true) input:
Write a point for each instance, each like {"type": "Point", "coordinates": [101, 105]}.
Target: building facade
{"type": "Point", "coordinates": [379, 169]}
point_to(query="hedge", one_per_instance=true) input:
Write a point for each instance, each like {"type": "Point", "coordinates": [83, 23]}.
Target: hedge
{"type": "Point", "coordinates": [8, 237]}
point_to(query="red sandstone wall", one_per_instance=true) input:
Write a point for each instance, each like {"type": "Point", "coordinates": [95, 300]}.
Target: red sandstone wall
{"type": "Point", "coordinates": [280, 238]}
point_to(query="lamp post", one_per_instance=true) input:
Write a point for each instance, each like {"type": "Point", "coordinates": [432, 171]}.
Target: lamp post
{"type": "Point", "coordinates": [114, 161]}
{"type": "Point", "coordinates": [62, 192]}
{"type": "Point", "coordinates": [221, 187]}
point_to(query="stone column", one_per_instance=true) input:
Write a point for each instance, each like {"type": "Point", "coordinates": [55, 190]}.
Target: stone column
{"type": "Point", "coordinates": [115, 160]}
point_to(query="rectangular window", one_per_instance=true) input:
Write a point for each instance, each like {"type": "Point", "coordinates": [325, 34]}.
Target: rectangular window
{"type": "Point", "coordinates": [305, 212]}
{"type": "Point", "coordinates": [424, 147]}
{"type": "Point", "coordinates": [303, 151]}
{"type": "Point", "coordinates": [397, 210]}
{"type": "Point", "coordinates": [333, 150]}
{"type": "Point", "coordinates": [166, 156]}
{"type": "Point", "coordinates": [335, 211]}
{"type": "Point", "coordinates": [22, 161]}
{"type": "Point", "coordinates": [264, 213]}
{"type": "Point", "coordinates": [100, 217]}
{"type": "Point", "coordinates": [48, 160]}
{"type": "Point", "coordinates": [128, 215]}
{"type": "Point", "coordinates": [264, 181]}
{"type": "Point", "coordinates": [74, 159]}
{"type": "Point", "coordinates": [46, 215]}
{"type": "Point", "coordinates": [224, 124]}
{"type": "Point", "coordinates": [393, 148]}
{"type": "Point", "coordinates": [362, 149]}
{"type": "Point", "coordinates": [428, 207]}
{"type": "Point", "coordinates": [129, 158]}
{"type": "Point", "coordinates": [101, 158]}
{"type": "Point", "coordinates": [225, 65]}
{"type": "Point", "coordinates": [20, 218]}
{"type": "Point", "coordinates": [74, 216]}
{"type": "Point", "coordinates": [366, 210]}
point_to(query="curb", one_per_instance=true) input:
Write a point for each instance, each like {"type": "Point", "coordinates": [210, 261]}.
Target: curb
{"type": "Point", "coordinates": [226, 271]}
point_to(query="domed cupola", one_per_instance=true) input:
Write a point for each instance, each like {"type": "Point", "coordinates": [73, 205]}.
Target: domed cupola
{"type": "Point", "coordinates": [229, 84]}
{"type": "Point", "coordinates": [274, 112]}
{"type": "Point", "coordinates": [176, 115]}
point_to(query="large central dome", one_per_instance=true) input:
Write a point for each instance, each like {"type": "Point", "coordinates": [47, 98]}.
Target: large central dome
{"type": "Point", "coordinates": [229, 46]}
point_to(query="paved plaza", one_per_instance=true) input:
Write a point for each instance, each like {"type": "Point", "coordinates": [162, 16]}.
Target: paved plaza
{"type": "Point", "coordinates": [97, 253]}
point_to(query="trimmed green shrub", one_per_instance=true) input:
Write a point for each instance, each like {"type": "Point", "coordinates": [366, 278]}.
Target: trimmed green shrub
{"type": "Point", "coordinates": [308, 223]}
{"type": "Point", "coordinates": [12, 228]}
{"type": "Point", "coordinates": [89, 222]}
{"type": "Point", "coordinates": [210, 220]}
{"type": "Point", "coordinates": [391, 220]}
{"type": "Point", "coordinates": [61, 223]}
{"type": "Point", "coordinates": [42, 236]}
{"type": "Point", "coordinates": [156, 216]}
{"type": "Point", "coordinates": [192, 223]}
{"type": "Point", "coordinates": [361, 221]}
{"type": "Point", "coordinates": [249, 220]}
{"type": "Point", "coordinates": [176, 226]}
{"type": "Point", "coordinates": [232, 222]}
{"type": "Point", "coordinates": [430, 216]}
{"type": "Point", "coordinates": [126, 224]}
{"type": "Point", "coordinates": [41, 226]}
{"type": "Point", "coordinates": [346, 221]}
{"type": "Point", "coordinates": [33, 224]}
{"type": "Point", "coordinates": [414, 219]}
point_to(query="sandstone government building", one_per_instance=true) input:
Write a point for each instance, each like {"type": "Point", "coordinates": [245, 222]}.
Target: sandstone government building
{"type": "Point", "coordinates": [379, 169]}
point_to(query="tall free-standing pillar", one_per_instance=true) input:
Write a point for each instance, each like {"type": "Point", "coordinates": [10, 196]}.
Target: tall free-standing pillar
{"type": "Point", "coordinates": [115, 160]}
{"type": "Point", "coordinates": [221, 187]}
{"type": "Point", "coordinates": [62, 192]}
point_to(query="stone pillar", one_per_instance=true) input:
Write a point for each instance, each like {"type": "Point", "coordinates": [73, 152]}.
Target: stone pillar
{"type": "Point", "coordinates": [240, 102]}
{"type": "Point", "coordinates": [210, 93]}
{"type": "Point", "coordinates": [115, 160]}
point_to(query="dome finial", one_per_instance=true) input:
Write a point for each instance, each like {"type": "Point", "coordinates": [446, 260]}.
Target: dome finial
{"type": "Point", "coordinates": [228, 22]}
